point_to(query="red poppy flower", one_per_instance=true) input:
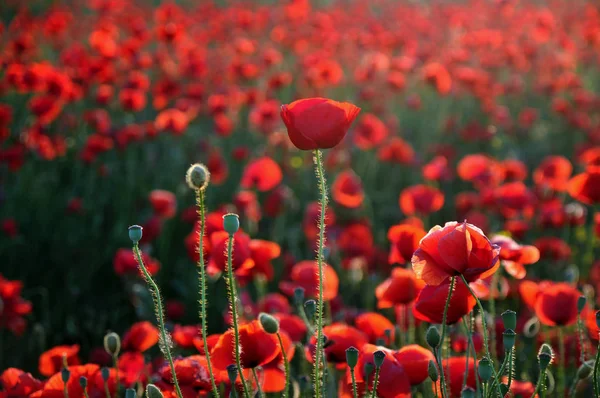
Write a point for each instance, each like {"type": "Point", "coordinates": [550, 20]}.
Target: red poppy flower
{"type": "Point", "coordinates": [164, 203]}
{"type": "Point", "coordinates": [356, 240]}
{"type": "Point", "coordinates": [340, 337]}
{"type": "Point", "coordinates": [347, 190]}
{"type": "Point", "coordinates": [404, 239]}
{"type": "Point", "coordinates": [17, 384]}
{"type": "Point", "coordinates": [437, 75]}
{"type": "Point", "coordinates": [393, 379]}
{"type": "Point", "coordinates": [273, 303]}
{"type": "Point", "coordinates": [453, 250]}
{"type": "Point", "coordinates": [396, 150]}
{"type": "Point", "coordinates": [553, 248]}
{"type": "Point", "coordinates": [514, 256]}
{"type": "Point", "coordinates": [184, 336]}
{"type": "Point", "coordinates": [191, 371]}
{"type": "Point", "coordinates": [174, 120]}
{"type": "Point", "coordinates": [317, 123]}
{"type": "Point", "coordinates": [437, 169]}
{"type": "Point", "coordinates": [293, 325]}
{"type": "Point", "coordinates": [133, 368]}
{"type": "Point", "coordinates": [263, 173]}
{"type": "Point", "coordinates": [369, 132]}
{"type": "Point", "coordinates": [125, 263]}
{"type": "Point", "coordinates": [375, 326]}
{"type": "Point", "coordinates": [554, 172]}
{"type": "Point", "coordinates": [431, 301]}
{"type": "Point", "coordinates": [211, 340]}
{"type": "Point", "coordinates": [585, 187]}
{"type": "Point", "coordinates": [14, 307]}
{"type": "Point", "coordinates": [514, 198]}
{"type": "Point", "coordinates": [262, 253]}
{"type": "Point", "coordinates": [54, 387]}
{"type": "Point", "coordinates": [514, 170]}
{"type": "Point", "coordinates": [242, 259]}
{"type": "Point", "coordinates": [415, 360]}
{"type": "Point", "coordinates": [401, 288]}
{"type": "Point", "coordinates": [51, 361]}
{"type": "Point", "coordinates": [273, 374]}
{"type": "Point", "coordinates": [421, 199]}
{"type": "Point", "coordinates": [557, 305]}
{"type": "Point", "coordinates": [140, 337]}
{"type": "Point", "coordinates": [258, 347]}
{"type": "Point", "coordinates": [480, 170]}
{"type": "Point", "coordinates": [454, 370]}
{"type": "Point", "coordinates": [305, 274]}
{"type": "Point", "coordinates": [521, 389]}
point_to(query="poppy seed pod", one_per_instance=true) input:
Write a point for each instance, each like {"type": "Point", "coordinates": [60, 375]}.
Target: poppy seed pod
{"type": "Point", "coordinates": [368, 369]}
{"type": "Point", "coordinates": [83, 382]}
{"type": "Point", "coordinates": [105, 372]}
{"type": "Point", "coordinates": [232, 373]}
{"type": "Point", "coordinates": [130, 393]}
{"type": "Point", "coordinates": [197, 176]}
{"type": "Point", "coordinates": [581, 304]}
{"type": "Point", "coordinates": [432, 370]}
{"type": "Point", "coordinates": [378, 358]}
{"type": "Point", "coordinates": [135, 233]}
{"type": "Point", "coordinates": [269, 323]}
{"type": "Point", "coordinates": [545, 356]}
{"type": "Point", "coordinates": [433, 337]}
{"type": "Point", "coordinates": [153, 392]}
{"type": "Point", "coordinates": [508, 339]}
{"type": "Point", "coordinates": [485, 369]}
{"type": "Point", "coordinates": [509, 319]}
{"type": "Point", "coordinates": [310, 307]}
{"type": "Point", "coordinates": [231, 223]}
{"type": "Point", "coordinates": [112, 344]}
{"type": "Point", "coordinates": [468, 392]}
{"type": "Point", "coordinates": [351, 357]}
{"type": "Point", "coordinates": [65, 375]}
{"type": "Point", "coordinates": [299, 295]}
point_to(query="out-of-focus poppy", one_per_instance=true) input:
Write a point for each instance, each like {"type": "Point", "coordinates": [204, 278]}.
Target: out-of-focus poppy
{"type": "Point", "coordinates": [556, 305]}
{"type": "Point", "coordinates": [401, 288]}
{"type": "Point", "coordinates": [514, 256]}
{"type": "Point", "coordinates": [318, 123]}
{"type": "Point", "coordinates": [554, 172]}
{"type": "Point", "coordinates": [242, 259]}
{"type": "Point", "coordinates": [17, 383]}
{"type": "Point", "coordinates": [14, 307]}
{"type": "Point", "coordinates": [263, 173]}
{"type": "Point", "coordinates": [514, 198]}
{"type": "Point", "coordinates": [273, 303]}
{"type": "Point", "coordinates": [521, 389]}
{"type": "Point", "coordinates": [514, 170]}
{"type": "Point", "coordinates": [415, 360]}
{"type": "Point", "coordinates": [340, 337]}
{"type": "Point", "coordinates": [431, 301]}
{"type": "Point", "coordinates": [396, 150]}
{"type": "Point", "coordinates": [376, 327]}
{"type": "Point", "coordinates": [305, 274]}
{"type": "Point", "coordinates": [140, 337]}
{"type": "Point", "coordinates": [370, 132]}
{"type": "Point", "coordinates": [585, 187]}
{"type": "Point", "coordinates": [481, 170]}
{"type": "Point", "coordinates": [421, 199]}
{"type": "Point", "coordinates": [218, 168]}
{"type": "Point", "coordinates": [191, 371]}
{"type": "Point", "coordinates": [437, 75]}
{"type": "Point", "coordinates": [553, 248]}
{"type": "Point", "coordinates": [456, 249]}
{"type": "Point", "coordinates": [404, 241]}
{"type": "Point", "coordinates": [164, 203]}
{"type": "Point", "coordinates": [356, 240]}
{"type": "Point", "coordinates": [211, 340]}
{"type": "Point", "coordinates": [125, 263]}
{"type": "Point", "coordinates": [55, 388]}
{"type": "Point", "coordinates": [184, 336]}
{"type": "Point", "coordinates": [262, 253]}
{"type": "Point", "coordinates": [347, 190]}
{"type": "Point", "coordinates": [51, 361]}
{"type": "Point", "coordinates": [437, 169]}
{"type": "Point", "coordinates": [133, 368]}
{"type": "Point", "coordinates": [454, 369]}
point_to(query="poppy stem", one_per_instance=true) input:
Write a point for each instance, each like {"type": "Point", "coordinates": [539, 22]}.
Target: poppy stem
{"type": "Point", "coordinates": [468, 352]}
{"type": "Point", "coordinates": [492, 301]}
{"type": "Point", "coordinates": [234, 315]}
{"type": "Point", "coordinates": [106, 390]}
{"type": "Point", "coordinates": [581, 338]}
{"type": "Point", "coordinates": [438, 355]}
{"type": "Point", "coordinates": [319, 170]}
{"type": "Point", "coordinates": [540, 383]}
{"type": "Point", "coordinates": [116, 366]}
{"type": "Point", "coordinates": [260, 393]}
{"type": "Point", "coordinates": [354, 391]}
{"type": "Point", "coordinates": [202, 270]}
{"type": "Point", "coordinates": [485, 331]}
{"type": "Point", "coordinates": [165, 339]}
{"type": "Point", "coordinates": [286, 366]}
{"type": "Point", "coordinates": [595, 373]}
{"type": "Point", "coordinates": [561, 362]}
{"type": "Point", "coordinates": [375, 382]}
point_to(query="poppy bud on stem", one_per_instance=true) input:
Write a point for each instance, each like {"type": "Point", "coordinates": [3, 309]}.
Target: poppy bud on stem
{"type": "Point", "coordinates": [83, 382]}
{"type": "Point", "coordinates": [153, 392]}
{"type": "Point", "coordinates": [65, 375]}
{"type": "Point", "coordinates": [352, 360]}
{"type": "Point", "coordinates": [165, 339]}
{"type": "Point", "coordinates": [378, 358]}
{"type": "Point", "coordinates": [112, 345]}
{"type": "Point", "coordinates": [105, 373]}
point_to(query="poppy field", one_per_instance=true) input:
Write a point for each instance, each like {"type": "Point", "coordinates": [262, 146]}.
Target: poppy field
{"type": "Point", "coordinates": [326, 198]}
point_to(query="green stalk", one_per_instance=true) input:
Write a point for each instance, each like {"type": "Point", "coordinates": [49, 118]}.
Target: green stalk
{"type": "Point", "coordinates": [443, 337]}
{"type": "Point", "coordinates": [595, 373]}
{"type": "Point", "coordinates": [562, 363]}
{"type": "Point", "coordinates": [203, 299]}
{"type": "Point", "coordinates": [492, 302]}
{"type": "Point", "coordinates": [106, 390]}
{"type": "Point", "coordinates": [354, 391]}
{"type": "Point", "coordinates": [85, 393]}
{"type": "Point", "coordinates": [581, 338]}
{"type": "Point", "coordinates": [66, 391]}
{"type": "Point", "coordinates": [321, 243]}
{"type": "Point", "coordinates": [234, 315]}
{"type": "Point", "coordinates": [539, 383]}
{"type": "Point", "coordinates": [260, 393]}
{"type": "Point", "coordinates": [469, 341]}
{"type": "Point", "coordinates": [286, 366]}
{"type": "Point", "coordinates": [165, 340]}
{"type": "Point", "coordinates": [375, 381]}
{"type": "Point", "coordinates": [116, 366]}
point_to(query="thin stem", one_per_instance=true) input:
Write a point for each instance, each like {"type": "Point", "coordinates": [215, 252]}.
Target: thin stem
{"type": "Point", "coordinates": [375, 381]}
{"type": "Point", "coordinates": [234, 315]}
{"type": "Point", "coordinates": [106, 390]}
{"type": "Point", "coordinates": [354, 391]}
{"type": "Point", "coordinates": [117, 384]}
{"type": "Point", "coordinates": [573, 388]}
{"type": "Point", "coordinates": [507, 359]}
{"type": "Point", "coordinates": [562, 363]}
{"type": "Point", "coordinates": [203, 287]}
{"type": "Point", "coordinates": [492, 301]}
{"type": "Point", "coordinates": [595, 373]}
{"type": "Point", "coordinates": [286, 366]}
{"type": "Point", "coordinates": [260, 393]}
{"type": "Point", "coordinates": [513, 352]}
{"type": "Point", "coordinates": [164, 338]}
{"type": "Point", "coordinates": [443, 336]}
{"type": "Point", "coordinates": [321, 244]}
{"type": "Point", "coordinates": [539, 383]}
{"type": "Point", "coordinates": [581, 339]}
{"type": "Point", "coordinates": [66, 391]}
{"type": "Point", "coordinates": [469, 340]}
{"type": "Point", "coordinates": [85, 393]}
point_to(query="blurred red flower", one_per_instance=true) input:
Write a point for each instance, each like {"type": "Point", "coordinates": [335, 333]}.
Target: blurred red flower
{"type": "Point", "coordinates": [421, 199]}
{"type": "Point", "coordinates": [51, 361]}
{"type": "Point", "coordinates": [556, 304]}
{"type": "Point", "coordinates": [164, 203]}
{"type": "Point", "coordinates": [305, 275]}
{"type": "Point", "coordinates": [401, 288]}
{"type": "Point", "coordinates": [263, 174]}
{"type": "Point", "coordinates": [415, 360]}
{"type": "Point", "coordinates": [140, 337]}
{"type": "Point", "coordinates": [125, 263]}
{"type": "Point", "coordinates": [404, 239]}
{"type": "Point", "coordinates": [347, 190]}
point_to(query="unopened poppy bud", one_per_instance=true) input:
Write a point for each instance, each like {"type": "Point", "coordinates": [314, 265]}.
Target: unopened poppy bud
{"type": "Point", "coordinates": [112, 344]}
{"type": "Point", "coordinates": [388, 334]}
{"type": "Point", "coordinates": [83, 382]}
{"type": "Point", "coordinates": [584, 370]}
{"type": "Point", "coordinates": [468, 392]}
{"type": "Point", "coordinates": [368, 369]}
{"type": "Point", "coordinates": [105, 372]}
{"type": "Point", "coordinates": [197, 176]}
{"type": "Point", "coordinates": [433, 337]}
{"type": "Point", "coordinates": [581, 303]}
{"type": "Point", "coordinates": [299, 295]}
{"type": "Point", "coordinates": [135, 233]}
{"type": "Point", "coordinates": [65, 374]}
{"type": "Point", "coordinates": [508, 339]}
{"type": "Point", "coordinates": [378, 358]}
{"type": "Point", "coordinates": [231, 223]}
{"type": "Point", "coordinates": [509, 319]}
{"type": "Point", "coordinates": [380, 341]}
{"type": "Point", "coordinates": [310, 307]}
{"type": "Point", "coordinates": [351, 357]}
{"type": "Point", "coordinates": [232, 373]}
{"type": "Point", "coordinates": [485, 369]}
{"type": "Point", "coordinates": [269, 323]}
{"type": "Point", "coordinates": [153, 392]}
{"type": "Point", "coordinates": [433, 371]}
{"type": "Point", "coordinates": [130, 393]}
{"type": "Point", "coordinates": [545, 356]}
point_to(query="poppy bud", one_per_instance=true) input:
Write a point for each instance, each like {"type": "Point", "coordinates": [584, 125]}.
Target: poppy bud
{"type": "Point", "coordinates": [299, 295]}
{"type": "Point", "coordinates": [65, 375]}
{"type": "Point", "coordinates": [388, 334]}
{"type": "Point", "coordinates": [433, 371]}
{"type": "Point", "coordinates": [310, 307]}
{"type": "Point", "coordinates": [135, 233]}
{"type": "Point", "coordinates": [380, 341]}
{"type": "Point", "coordinates": [509, 319]}
{"type": "Point", "coordinates": [545, 356]}
{"type": "Point", "coordinates": [433, 337]}
{"type": "Point", "coordinates": [105, 372]}
{"type": "Point", "coordinates": [269, 323]}
{"type": "Point", "coordinates": [378, 358]}
{"type": "Point", "coordinates": [197, 176]}
{"type": "Point", "coordinates": [468, 392]}
{"type": "Point", "coordinates": [112, 344]}
{"type": "Point", "coordinates": [153, 392]}
{"type": "Point", "coordinates": [584, 370]}
{"type": "Point", "coordinates": [351, 357]}
{"type": "Point", "coordinates": [231, 223]}
{"type": "Point", "coordinates": [368, 369]}
{"type": "Point", "coordinates": [130, 393]}
{"type": "Point", "coordinates": [508, 339]}
{"type": "Point", "coordinates": [232, 373]}
{"type": "Point", "coordinates": [581, 304]}
{"type": "Point", "coordinates": [83, 382]}
{"type": "Point", "coordinates": [485, 369]}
